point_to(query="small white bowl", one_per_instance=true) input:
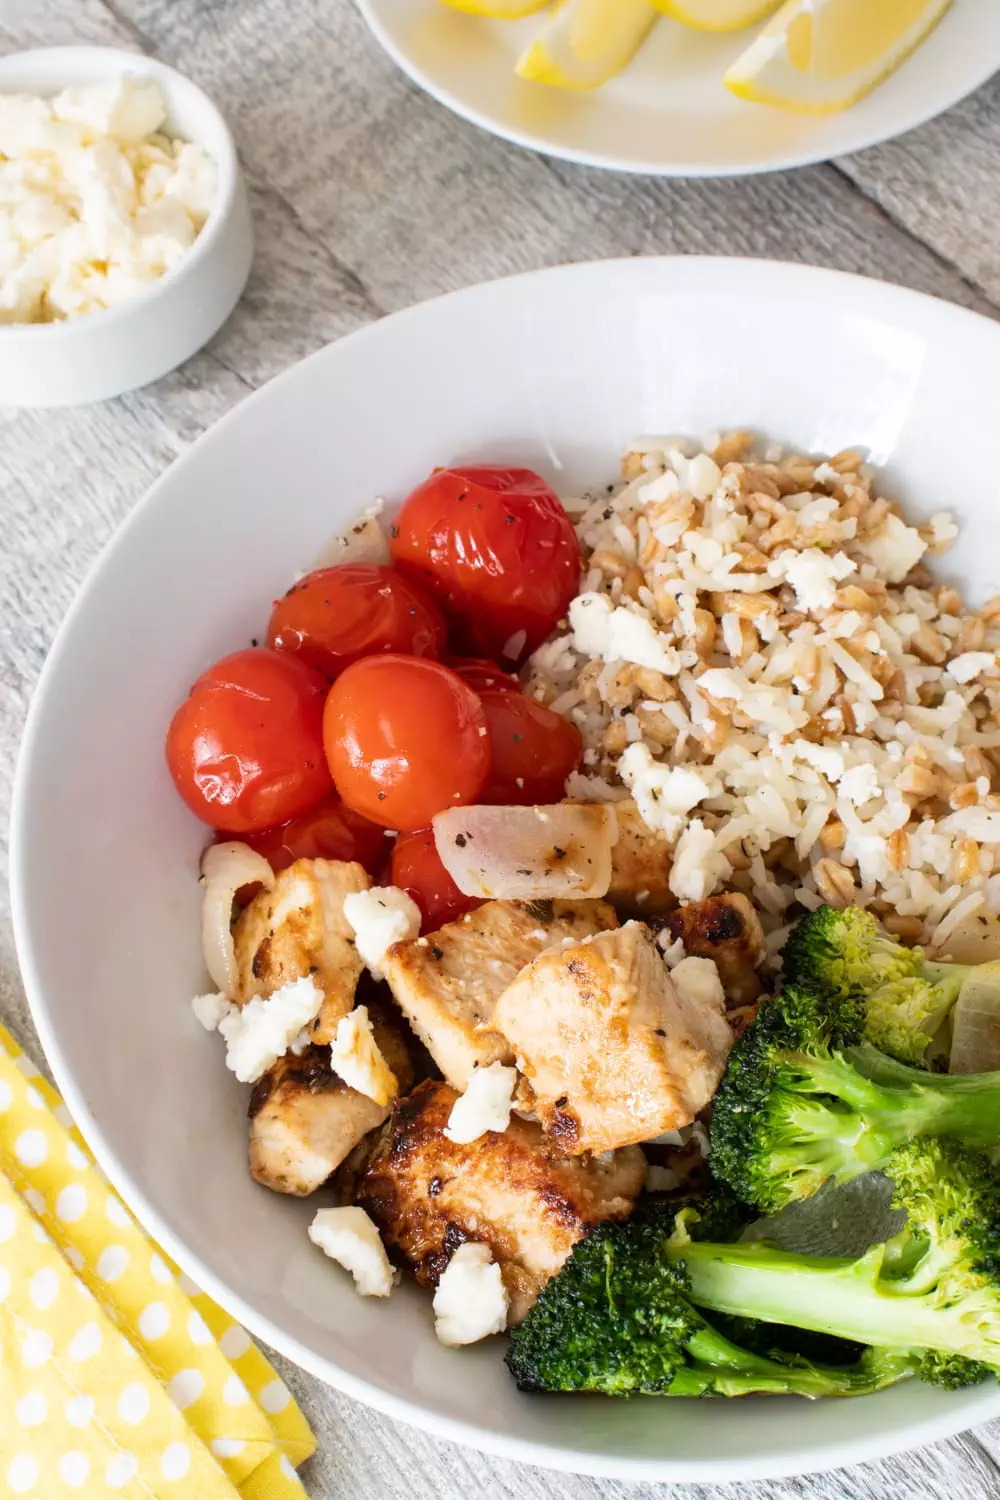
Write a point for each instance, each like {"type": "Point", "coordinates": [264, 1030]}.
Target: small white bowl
{"type": "Point", "coordinates": [100, 355]}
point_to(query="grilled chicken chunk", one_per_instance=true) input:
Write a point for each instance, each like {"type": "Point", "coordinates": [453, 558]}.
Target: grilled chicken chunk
{"type": "Point", "coordinates": [428, 1195]}
{"type": "Point", "coordinates": [640, 866]}
{"type": "Point", "coordinates": [304, 1120]}
{"type": "Point", "coordinates": [447, 983]}
{"type": "Point", "coordinates": [299, 928]}
{"type": "Point", "coordinates": [610, 1050]}
{"type": "Point", "coordinates": [724, 928]}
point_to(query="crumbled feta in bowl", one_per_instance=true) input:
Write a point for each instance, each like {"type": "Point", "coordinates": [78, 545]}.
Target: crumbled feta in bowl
{"type": "Point", "coordinates": [120, 194]}
{"type": "Point", "coordinates": [97, 199]}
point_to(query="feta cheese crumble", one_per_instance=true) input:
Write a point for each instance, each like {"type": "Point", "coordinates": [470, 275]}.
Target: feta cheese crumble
{"type": "Point", "coordinates": [348, 1236]}
{"type": "Point", "coordinates": [697, 980]}
{"type": "Point", "coordinates": [210, 1010]}
{"type": "Point", "coordinates": [485, 1105]}
{"type": "Point", "coordinates": [96, 202]}
{"type": "Point", "coordinates": [380, 917]}
{"type": "Point", "coordinates": [813, 575]}
{"type": "Point", "coordinates": [698, 866]}
{"type": "Point", "coordinates": [355, 1057]}
{"type": "Point", "coordinates": [471, 1301]}
{"type": "Point", "coordinates": [663, 794]}
{"type": "Point", "coordinates": [264, 1029]}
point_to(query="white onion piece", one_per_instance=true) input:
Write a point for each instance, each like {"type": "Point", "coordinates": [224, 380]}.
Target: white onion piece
{"type": "Point", "coordinates": [973, 940]}
{"type": "Point", "coordinates": [364, 542]}
{"type": "Point", "coordinates": [528, 853]}
{"type": "Point", "coordinates": [975, 1046]}
{"type": "Point", "coordinates": [225, 868]}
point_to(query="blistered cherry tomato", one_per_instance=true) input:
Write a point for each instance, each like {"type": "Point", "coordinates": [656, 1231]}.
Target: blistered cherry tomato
{"type": "Point", "coordinates": [484, 676]}
{"type": "Point", "coordinates": [405, 738]}
{"type": "Point", "coordinates": [533, 750]}
{"type": "Point", "coordinates": [337, 615]}
{"type": "Point", "coordinates": [245, 748]}
{"type": "Point", "coordinates": [332, 830]}
{"type": "Point", "coordinates": [416, 867]}
{"type": "Point", "coordinates": [499, 551]}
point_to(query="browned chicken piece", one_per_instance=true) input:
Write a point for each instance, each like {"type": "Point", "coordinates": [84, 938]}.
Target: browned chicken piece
{"type": "Point", "coordinates": [610, 1049]}
{"type": "Point", "coordinates": [304, 1120]}
{"type": "Point", "coordinates": [428, 1195]}
{"type": "Point", "coordinates": [447, 983]}
{"type": "Point", "coordinates": [640, 866]}
{"type": "Point", "coordinates": [727, 929]}
{"type": "Point", "coordinates": [299, 928]}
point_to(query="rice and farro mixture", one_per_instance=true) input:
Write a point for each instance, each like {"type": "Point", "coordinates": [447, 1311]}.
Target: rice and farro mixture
{"type": "Point", "coordinates": [760, 657]}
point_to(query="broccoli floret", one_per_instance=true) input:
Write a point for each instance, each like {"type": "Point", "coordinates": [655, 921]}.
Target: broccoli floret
{"type": "Point", "coordinates": [904, 999]}
{"type": "Point", "coordinates": [618, 1320]}
{"type": "Point", "coordinates": [934, 1287]}
{"type": "Point", "coordinates": [803, 1101]}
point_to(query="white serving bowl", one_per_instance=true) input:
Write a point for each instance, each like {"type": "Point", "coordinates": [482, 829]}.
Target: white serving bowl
{"type": "Point", "coordinates": [102, 354]}
{"type": "Point", "coordinates": [556, 370]}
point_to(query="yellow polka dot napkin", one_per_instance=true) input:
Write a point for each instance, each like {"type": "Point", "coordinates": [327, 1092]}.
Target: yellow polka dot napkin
{"type": "Point", "coordinates": [118, 1377]}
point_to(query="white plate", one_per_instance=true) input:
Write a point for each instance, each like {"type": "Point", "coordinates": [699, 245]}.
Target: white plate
{"type": "Point", "coordinates": [557, 370]}
{"type": "Point", "coordinates": [669, 113]}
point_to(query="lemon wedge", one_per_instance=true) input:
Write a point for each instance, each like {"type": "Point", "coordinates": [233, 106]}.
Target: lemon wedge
{"type": "Point", "coordinates": [717, 15]}
{"type": "Point", "coordinates": [819, 56]}
{"type": "Point", "coordinates": [498, 10]}
{"type": "Point", "coordinates": [585, 42]}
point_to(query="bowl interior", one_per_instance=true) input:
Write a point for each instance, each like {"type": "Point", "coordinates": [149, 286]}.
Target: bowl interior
{"type": "Point", "coordinates": [557, 370]}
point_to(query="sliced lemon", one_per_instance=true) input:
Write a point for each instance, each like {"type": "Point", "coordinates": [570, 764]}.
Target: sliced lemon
{"type": "Point", "coordinates": [819, 56]}
{"type": "Point", "coordinates": [717, 15]}
{"type": "Point", "coordinates": [498, 10]}
{"type": "Point", "coordinates": [585, 42]}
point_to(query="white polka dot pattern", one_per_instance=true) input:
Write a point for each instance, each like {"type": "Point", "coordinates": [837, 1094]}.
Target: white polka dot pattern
{"type": "Point", "coordinates": [32, 1409]}
{"type": "Point", "coordinates": [185, 1388]}
{"type": "Point", "coordinates": [30, 1148]}
{"type": "Point", "coordinates": [123, 1376]}
{"type": "Point", "coordinates": [176, 1461]}
{"type": "Point", "coordinates": [71, 1203]}
{"type": "Point", "coordinates": [22, 1472]}
{"type": "Point", "coordinates": [154, 1320]}
{"type": "Point", "coordinates": [111, 1262]}
{"type": "Point", "coordinates": [133, 1404]}
{"type": "Point", "coordinates": [74, 1468]}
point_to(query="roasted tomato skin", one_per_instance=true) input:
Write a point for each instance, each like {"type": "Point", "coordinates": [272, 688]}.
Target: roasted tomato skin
{"type": "Point", "coordinates": [245, 748]}
{"type": "Point", "coordinates": [405, 738]}
{"type": "Point", "coordinates": [331, 830]}
{"type": "Point", "coordinates": [416, 867]}
{"type": "Point", "coordinates": [499, 551]}
{"type": "Point", "coordinates": [533, 750]}
{"type": "Point", "coordinates": [334, 616]}
{"type": "Point", "coordinates": [484, 676]}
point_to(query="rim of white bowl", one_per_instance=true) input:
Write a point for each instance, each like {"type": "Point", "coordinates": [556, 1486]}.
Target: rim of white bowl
{"type": "Point", "coordinates": [860, 140]}
{"type": "Point", "coordinates": [120, 62]}
{"type": "Point", "coordinates": [761, 276]}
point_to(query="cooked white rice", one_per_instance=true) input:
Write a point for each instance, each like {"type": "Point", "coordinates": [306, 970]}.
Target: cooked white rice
{"type": "Point", "coordinates": [760, 657]}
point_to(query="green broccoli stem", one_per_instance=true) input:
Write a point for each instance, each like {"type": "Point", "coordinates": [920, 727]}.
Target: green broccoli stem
{"type": "Point", "coordinates": [828, 1294]}
{"type": "Point", "coordinates": [720, 1368]}
{"type": "Point", "coordinates": [895, 1103]}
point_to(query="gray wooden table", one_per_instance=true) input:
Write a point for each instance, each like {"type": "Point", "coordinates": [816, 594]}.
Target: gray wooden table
{"type": "Point", "coordinates": [367, 196]}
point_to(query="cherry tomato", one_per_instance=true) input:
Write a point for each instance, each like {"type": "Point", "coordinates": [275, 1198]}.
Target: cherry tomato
{"type": "Point", "coordinates": [331, 830]}
{"type": "Point", "coordinates": [484, 676]}
{"type": "Point", "coordinates": [499, 551]}
{"type": "Point", "coordinates": [245, 748]}
{"type": "Point", "coordinates": [416, 867]}
{"type": "Point", "coordinates": [533, 750]}
{"type": "Point", "coordinates": [337, 615]}
{"type": "Point", "coordinates": [405, 738]}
